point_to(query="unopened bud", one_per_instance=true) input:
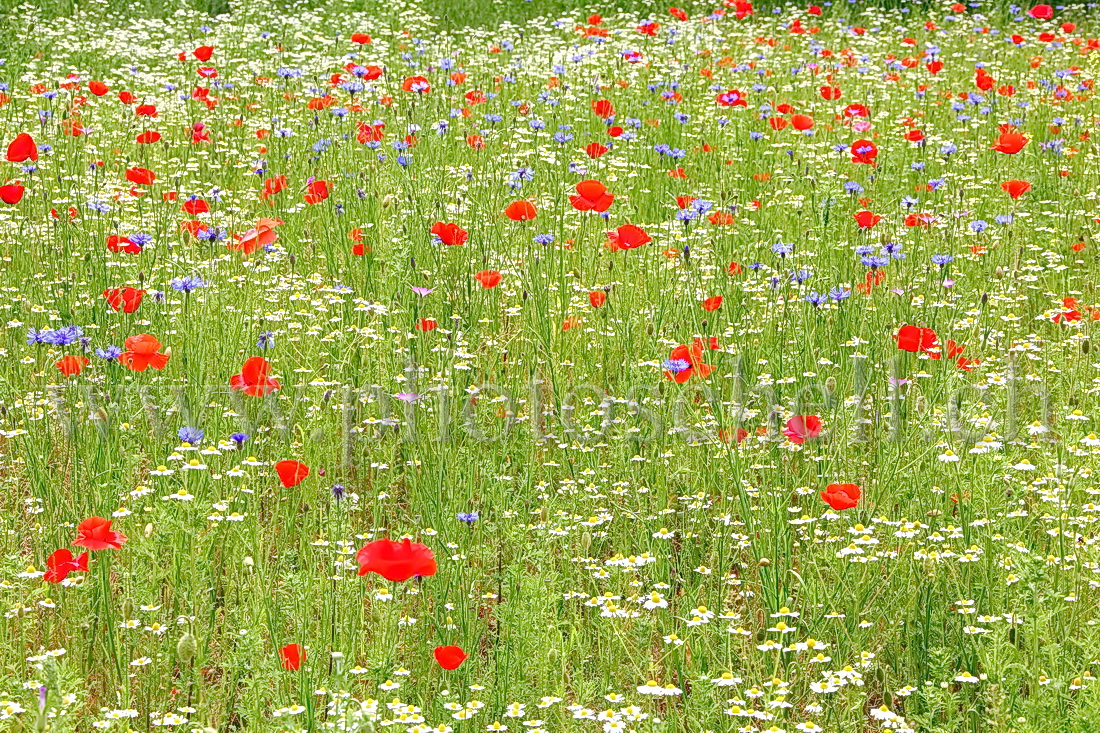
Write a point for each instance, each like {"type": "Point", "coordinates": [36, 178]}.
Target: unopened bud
{"type": "Point", "coordinates": [186, 647]}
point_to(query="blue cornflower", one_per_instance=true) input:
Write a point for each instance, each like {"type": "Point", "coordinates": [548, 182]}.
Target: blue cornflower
{"type": "Point", "coordinates": [190, 435]}
{"type": "Point", "coordinates": [467, 517]}
{"type": "Point", "coordinates": [942, 260]}
{"type": "Point", "coordinates": [109, 352]}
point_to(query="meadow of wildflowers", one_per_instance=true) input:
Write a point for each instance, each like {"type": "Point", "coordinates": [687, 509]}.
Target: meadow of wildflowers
{"type": "Point", "coordinates": [716, 368]}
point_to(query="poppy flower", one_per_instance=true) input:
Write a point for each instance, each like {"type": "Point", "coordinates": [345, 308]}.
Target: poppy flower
{"type": "Point", "coordinates": [449, 657]}
{"type": "Point", "coordinates": [1015, 189]}
{"type": "Point", "coordinates": [1009, 142]}
{"type": "Point", "coordinates": [253, 379]}
{"type": "Point", "coordinates": [11, 193]}
{"type": "Point", "coordinates": [686, 362]}
{"type": "Point", "coordinates": [61, 562]}
{"type": "Point", "coordinates": [22, 148]}
{"type": "Point", "coordinates": [316, 192]}
{"type": "Point", "coordinates": [396, 561]}
{"type": "Point", "coordinates": [450, 234]}
{"type": "Point", "coordinates": [592, 196]}
{"type": "Point", "coordinates": [802, 122]}
{"type": "Point", "coordinates": [292, 656]}
{"type": "Point", "coordinates": [841, 496]}
{"type": "Point", "coordinates": [416, 84]}
{"type": "Point", "coordinates": [95, 533]}
{"type": "Point", "coordinates": [603, 109]}
{"type": "Point", "coordinates": [291, 473]}
{"type": "Point", "coordinates": [720, 218]}
{"type": "Point", "coordinates": [864, 152]}
{"type": "Point", "coordinates": [147, 137]}
{"type": "Point", "coordinates": [521, 211]}
{"type": "Point", "coordinates": [732, 98]}
{"type": "Point", "coordinates": [801, 428]}
{"type": "Point", "coordinates": [141, 353]}
{"type": "Point", "coordinates": [361, 38]}
{"type": "Point", "coordinates": [427, 324]}
{"type": "Point", "coordinates": [628, 236]}
{"type": "Point", "coordinates": [914, 338]}
{"type": "Point", "coordinates": [259, 236]}
{"type": "Point", "coordinates": [203, 53]}
{"type": "Point", "coordinates": [866, 219]}
{"type": "Point", "coordinates": [1041, 12]}
{"type": "Point", "coordinates": [98, 88]}
{"type": "Point", "coordinates": [488, 278]}
{"type": "Point", "coordinates": [272, 186]}
{"type": "Point", "coordinates": [597, 298]}
{"type": "Point", "coordinates": [126, 300]}
{"type": "Point", "coordinates": [713, 303]}
{"type": "Point", "coordinates": [117, 243]}
{"type": "Point", "coordinates": [71, 366]}
{"type": "Point", "coordinates": [141, 176]}
{"type": "Point", "coordinates": [595, 150]}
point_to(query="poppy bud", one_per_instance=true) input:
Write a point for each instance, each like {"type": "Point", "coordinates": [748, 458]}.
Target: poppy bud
{"type": "Point", "coordinates": [387, 200]}
{"type": "Point", "coordinates": [586, 541]}
{"type": "Point", "coordinates": [248, 561]}
{"type": "Point", "coordinates": [552, 656]}
{"type": "Point", "coordinates": [999, 273]}
{"type": "Point", "coordinates": [765, 562]}
{"type": "Point", "coordinates": [149, 529]}
{"type": "Point", "coordinates": [830, 386]}
{"type": "Point", "coordinates": [186, 647]}
{"type": "Point", "coordinates": [1085, 346]}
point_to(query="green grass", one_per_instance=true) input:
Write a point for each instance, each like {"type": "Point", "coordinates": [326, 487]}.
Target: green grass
{"type": "Point", "coordinates": [959, 595]}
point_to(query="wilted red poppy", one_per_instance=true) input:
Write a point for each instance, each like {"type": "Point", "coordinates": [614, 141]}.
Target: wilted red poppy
{"type": "Point", "coordinates": [253, 379]}
{"type": "Point", "coordinates": [592, 196]}
{"type": "Point", "coordinates": [488, 278]}
{"type": "Point", "coordinates": [801, 428]}
{"type": "Point", "coordinates": [449, 657]}
{"type": "Point", "coordinates": [841, 496]}
{"type": "Point", "coordinates": [627, 236]}
{"type": "Point", "coordinates": [22, 148]}
{"type": "Point", "coordinates": [291, 473]}
{"type": "Point", "coordinates": [126, 300]}
{"type": "Point", "coordinates": [292, 656]}
{"type": "Point", "coordinates": [71, 366]}
{"type": "Point", "coordinates": [95, 533]}
{"type": "Point", "coordinates": [396, 561]}
{"type": "Point", "coordinates": [141, 353]}
{"type": "Point", "coordinates": [521, 211]}
{"type": "Point", "coordinates": [61, 562]}
{"type": "Point", "coordinates": [450, 234]}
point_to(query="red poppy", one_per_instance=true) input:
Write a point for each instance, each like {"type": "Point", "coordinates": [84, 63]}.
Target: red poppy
{"type": "Point", "coordinates": [22, 148]}
{"type": "Point", "coordinates": [427, 324]}
{"type": "Point", "coordinates": [686, 362]}
{"type": "Point", "coordinates": [141, 353]}
{"type": "Point", "coordinates": [732, 98]}
{"type": "Point", "coordinates": [1015, 189]}
{"type": "Point", "coordinates": [125, 299]}
{"type": "Point", "coordinates": [592, 196]}
{"type": "Point", "coordinates": [291, 473]}
{"type": "Point", "coordinates": [914, 338]}
{"type": "Point", "coordinates": [253, 379]}
{"type": "Point", "coordinates": [866, 219]}
{"type": "Point", "coordinates": [678, 14]}
{"type": "Point", "coordinates": [449, 657]}
{"type": "Point", "coordinates": [450, 234]}
{"type": "Point", "coordinates": [11, 193]}
{"type": "Point", "coordinates": [360, 38]}
{"type": "Point", "coordinates": [802, 122]}
{"type": "Point", "coordinates": [720, 218]}
{"type": "Point", "coordinates": [488, 278]}
{"type": "Point", "coordinates": [841, 496]}
{"type": "Point", "coordinates": [713, 303]}
{"type": "Point", "coordinates": [95, 533]}
{"type": "Point", "coordinates": [396, 561]}
{"type": "Point", "coordinates": [117, 243]}
{"type": "Point", "coordinates": [1041, 12]}
{"type": "Point", "coordinates": [261, 235]}
{"type": "Point", "coordinates": [864, 151]}
{"type": "Point", "coordinates": [800, 428]}
{"type": "Point", "coordinates": [603, 109]}
{"type": "Point", "coordinates": [272, 186]}
{"type": "Point", "coordinates": [1009, 142]}
{"type": "Point", "coordinates": [71, 366]}
{"type": "Point", "coordinates": [203, 53]}
{"type": "Point", "coordinates": [521, 211]}
{"type": "Point", "coordinates": [61, 562]}
{"type": "Point", "coordinates": [141, 176]}
{"type": "Point", "coordinates": [292, 656]}
{"type": "Point", "coordinates": [148, 137]}
{"type": "Point", "coordinates": [597, 298]}
{"type": "Point", "coordinates": [628, 236]}
{"type": "Point", "coordinates": [416, 84]}
{"type": "Point", "coordinates": [316, 192]}
{"type": "Point", "coordinates": [595, 150]}
{"type": "Point", "coordinates": [146, 110]}
{"type": "Point", "coordinates": [98, 88]}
